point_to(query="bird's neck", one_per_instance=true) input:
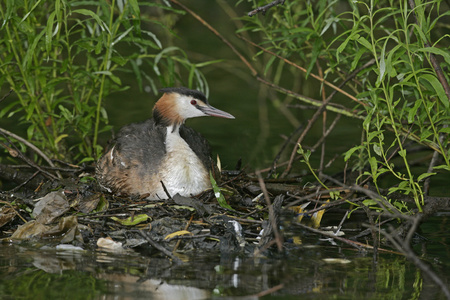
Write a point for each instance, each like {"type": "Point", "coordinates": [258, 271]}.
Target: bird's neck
{"type": "Point", "coordinates": [165, 112]}
{"type": "Point", "coordinates": [175, 143]}
{"type": "Point", "coordinates": [173, 130]}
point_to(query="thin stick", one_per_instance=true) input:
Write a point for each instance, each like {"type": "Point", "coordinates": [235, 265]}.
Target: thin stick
{"type": "Point", "coordinates": [6, 95]}
{"type": "Point", "coordinates": [357, 245]}
{"type": "Point", "coordinates": [23, 157]}
{"type": "Point", "coordinates": [185, 228]}
{"type": "Point", "coordinates": [302, 136]}
{"type": "Point", "coordinates": [324, 123]}
{"type": "Point", "coordinates": [24, 183]}
{"type": "Point", "coordinates": [264, 8]}
{"type": "Point", "coordinates": [30, 145]}
{"type": "Point", "coordinates": [159, 247]}
{"type": "Point", "coordinates": [327, 132]}
{"type": "Point", "coordinates": [273, 223]}
{"type": "Point", "coordinates": [242, 58]}
{"type": "Point", "coordinates": [343, 111]}
{"type": "Point", "coordinates": [193, 237]}
{"type": "Point", "coordinates": [277, 157]}
{"type": "Point", "coordinates": [305, 71]}
{"type": "Point", "coordinates": [269, 291]}
{"type": "Point", "coordinates": [15, 211]}
{"type": "Point", "coordinates": [165, 190]}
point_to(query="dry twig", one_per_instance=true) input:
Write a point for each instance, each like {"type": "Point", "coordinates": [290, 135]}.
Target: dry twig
{"type": "Point", "coordinates": [278, 237]}
{"type": "Point", "coordinates": [206, 24]}
{"type": "Point", "coordinates": [266, 7]}
{"type": "Point", "coordinates": [23, 157]}
{"type": "Point", "coordinates": [159, 247]}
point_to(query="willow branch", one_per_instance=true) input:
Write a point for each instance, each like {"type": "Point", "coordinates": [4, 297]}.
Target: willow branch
{"type": "Point", "coordinates": [305, 71]}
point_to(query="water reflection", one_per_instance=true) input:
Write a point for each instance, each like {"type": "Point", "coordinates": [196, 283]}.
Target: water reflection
{"type": "Point", "coordinates": [310, 269]}
{"type": "Point", "coordinates": [44, 272]}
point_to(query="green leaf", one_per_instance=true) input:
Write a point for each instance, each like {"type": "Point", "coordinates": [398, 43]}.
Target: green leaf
{"type": "Point", "coordinates": [437, 88]}
{"type": "Point", "coordinates": [219, 196]}
{"type": "Point", "coordinates": [49, 32]}
{"type": "Point", "coordinates": [317, 47]}
{"type": "Point", "coordinates": [382, 70]}
{"type": "Point", "coordinates": [133, 220]}
{"type": "Point", "coordinates": [157, 44]}
{"type": "Point", "coordinates": [160, 55]}
{"type": "Point", "coordinates": [369, 202]}
{"type": "Point", "coordinates": [86, 159]}
{"type": "Point", "coordinates": [444, 130]}
{"type": "Point", "coordinates": [115, 79]}
{"type": "Point", "coordinates": [30, 11]}
{"type": "Point", "coordinates": [413, 111]}
{"type": "Point", "coordinates": [350, 152]}
{"type": "Point", "coordinates": [135, 11]}
{"type": "Point", "coordinates": [425, 175]}
{"type": "Point", "coordinates": [442, 167]}
{"type": "Point", "coordinates": [134, 7]}
{"type": "Point", "coordinates": [9, 12]}
{"type": "Point", "coordinates": [269, 64]}
{"type": "Point", "coordinates": [207, 63]}
{"type": "Point", "coordinates": [343, 45]}
{"type": "Point", "coordinates": [59, 138]}
{"type": "Point", "coordinates": [373, 164]}
{"type": "Point", "coordinates": [438, 51]}
{"type": "Point", "coordinates": [357, 57]}
{"type": "Point", "coordinates": [90, 13]}
{"type": "Point", "coordinates": [363, 41]}
{"type": "Point", "coordinates": [377, 149]}
{"type": "Point", "coordinates": [124, 34]}
{"type": "Point", "coordinates": [400, 205]}
{"type": "Point", "coordinates": [31, 50]}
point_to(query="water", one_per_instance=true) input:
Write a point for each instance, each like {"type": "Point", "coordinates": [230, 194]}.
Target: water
{"type": "Point", "coordinates": [36, 271]}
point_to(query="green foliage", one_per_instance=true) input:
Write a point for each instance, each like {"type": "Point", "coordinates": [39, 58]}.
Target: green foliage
{"type": "Point", "coordinates": [406, 97]}
{"type": "Point", "coordinates": [381, 49]}
{"type": "Point", "coordinates": [64, 58]}
{"type": "Point", "coordinates": [218, 193]}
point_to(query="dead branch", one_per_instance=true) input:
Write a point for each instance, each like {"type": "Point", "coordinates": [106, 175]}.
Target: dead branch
{"type": "Point", "coordinates": [38, 151]}
{"type": "Point", "coordinates": [17, 152]}
{"type": "Point", "coordinates": [206, 24]}
{"type": "Point", "coordinates": [159, 247]}
{"type": "Point", "coordinates": [277, 157]}
{"type": "Point", "coordinates": [6, 95]}
{"type": "Point", "coordinates": [305, 71]}
{"type": "Point", "coordinates": [266, 7]}
{"type": "Point", "coordinates": [357, 245]}
{"type": "Point", "coordinates": [272, 217]}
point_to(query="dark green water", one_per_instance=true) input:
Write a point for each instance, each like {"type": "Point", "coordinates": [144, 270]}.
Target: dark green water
{"type": "Point", "coordinates": [42, 272]}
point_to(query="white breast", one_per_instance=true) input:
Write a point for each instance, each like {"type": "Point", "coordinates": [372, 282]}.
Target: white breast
{"type": "Point", "coordinates": [182, 171]}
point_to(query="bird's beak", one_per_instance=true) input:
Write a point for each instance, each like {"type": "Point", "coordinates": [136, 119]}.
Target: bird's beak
{"type": "Point", "coordinates": [214, 112]}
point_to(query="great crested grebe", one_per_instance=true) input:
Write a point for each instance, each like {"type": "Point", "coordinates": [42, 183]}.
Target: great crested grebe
{"type": "Point", "coordinates": [161, 149]}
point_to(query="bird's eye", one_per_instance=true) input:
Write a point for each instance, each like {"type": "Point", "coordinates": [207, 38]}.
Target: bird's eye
{"type": "Point", "coordinates": [193, 102]}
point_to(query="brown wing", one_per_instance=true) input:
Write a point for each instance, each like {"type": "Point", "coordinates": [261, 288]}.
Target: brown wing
{"type": "Point", "coordinates": [134, 155]}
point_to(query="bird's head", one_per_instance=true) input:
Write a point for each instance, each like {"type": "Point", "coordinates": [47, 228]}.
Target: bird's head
{"type": "Point", "coordinates": [179, 103]}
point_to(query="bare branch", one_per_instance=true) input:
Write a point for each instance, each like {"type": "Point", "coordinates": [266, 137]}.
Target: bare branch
{"type": "Point", "coordinates": [266, 7]}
